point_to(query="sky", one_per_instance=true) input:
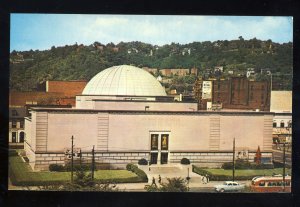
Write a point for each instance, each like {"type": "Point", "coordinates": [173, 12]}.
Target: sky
{"type": "Point", "coordinates": [42, 31]}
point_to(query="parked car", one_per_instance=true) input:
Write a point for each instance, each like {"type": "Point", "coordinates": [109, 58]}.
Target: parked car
{"type": "Point", "coordinates": [229, 186]}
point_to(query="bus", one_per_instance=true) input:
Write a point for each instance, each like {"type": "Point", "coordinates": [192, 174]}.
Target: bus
{"type": "Point", "coordinates": [271, 184]}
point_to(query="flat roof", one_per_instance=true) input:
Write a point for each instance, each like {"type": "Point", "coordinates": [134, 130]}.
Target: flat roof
{"type": "Point", "coordinates": [154, 112]}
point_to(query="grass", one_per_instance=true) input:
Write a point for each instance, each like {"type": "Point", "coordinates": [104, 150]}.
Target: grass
{"type": "Point", "coordinates": [248, 172]}
{"type": "Point", "coordinates": [22, 174]}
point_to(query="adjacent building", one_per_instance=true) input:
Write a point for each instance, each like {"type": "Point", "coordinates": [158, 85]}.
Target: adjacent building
{"type": "Point", "coordinates": [281, 105]}
{"type": "Point", "coordinates": [233, 93]}
{"type": "Point", "coordinates": [51, 94]}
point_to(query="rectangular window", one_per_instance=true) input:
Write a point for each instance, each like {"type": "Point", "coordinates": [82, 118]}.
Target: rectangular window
{"type": "Point", "coordinates": [164, 141]}
{"type": "Point", "coordinates": [14, 137]}
{"type": "Point", "coordinates": [282, 124]}
{"type": "Point", "coordinates": [14, 124]}
{"type": "Point", "coordinates": [274, 124]}
{"type": "Point", "coordinates": [154, 141]}
{"type": "Point", "coordinates": [21, 124]}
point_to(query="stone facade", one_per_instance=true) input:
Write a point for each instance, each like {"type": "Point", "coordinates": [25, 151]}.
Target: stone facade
{"type": "Point", "coordinates": [121, 159]}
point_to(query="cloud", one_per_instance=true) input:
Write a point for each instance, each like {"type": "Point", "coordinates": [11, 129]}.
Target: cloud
{"type": "Point", "coordinates": [164, 29]}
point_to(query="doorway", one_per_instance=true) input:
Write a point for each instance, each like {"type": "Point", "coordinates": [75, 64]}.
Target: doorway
{"type": "Point", "coordinates": [159, 142]}
{"type": "Point", "coordinates": [153, 158]}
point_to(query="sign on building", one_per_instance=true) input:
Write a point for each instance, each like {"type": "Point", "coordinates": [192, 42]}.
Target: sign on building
{"type": "Point", "coordinates": [206, 89]}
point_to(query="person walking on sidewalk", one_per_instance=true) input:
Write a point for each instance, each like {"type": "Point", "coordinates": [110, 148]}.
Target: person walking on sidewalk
{"type": "Point", "coordinates": [204, 180]}
{"type": "Point", "coordinates": [207, 178]}
{"type": "Point", "coordinates": [153, 181]}
{"type": "Point", "coordinates": [159, 179]}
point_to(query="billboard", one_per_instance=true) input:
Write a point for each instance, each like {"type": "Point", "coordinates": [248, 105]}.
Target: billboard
{"type": "Point", "coordinates": [206, 89]}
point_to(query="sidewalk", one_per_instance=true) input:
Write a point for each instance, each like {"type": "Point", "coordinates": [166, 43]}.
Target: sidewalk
{"type": "Point", "coordinates": [140, 186]}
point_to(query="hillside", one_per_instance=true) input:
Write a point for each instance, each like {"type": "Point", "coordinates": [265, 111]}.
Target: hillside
{"type": "Point", "coordinates": [78, 62]}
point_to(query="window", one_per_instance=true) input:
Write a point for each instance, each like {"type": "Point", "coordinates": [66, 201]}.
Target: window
{"type": "Point", "coordinates": [262, 183]}
{"type": "Point", "coordinates": [164, 141]}
{"type": "Point", "coordinates": [282, 123]}
{"type": "Point", "coordinates": [154, 141]}
{"type": "Point", "coordinates": [21, 124]}
{"type": "Point", "coordinates": [251, 87]}
{"type": "Point", "coordinates": [14, 124]}
{"type": "Point", "coordinates": [274, 124]}
{"type": "Point", "coordinates": [14, 113]}
{"type": "Point", "coordinates": [14, 137]}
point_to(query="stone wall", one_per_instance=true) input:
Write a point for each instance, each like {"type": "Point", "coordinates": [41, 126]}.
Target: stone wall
{"type": "Point", "coordinates": [120, 159]}
{"type": "Point", "coordinates": [211, 159]}
{"type": "Point", "coordinates": [114, 159]}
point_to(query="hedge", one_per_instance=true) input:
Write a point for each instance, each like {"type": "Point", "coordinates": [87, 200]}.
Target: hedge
{"type": "Point", "coordinates": [140, 173]}
{"type": "Point", "coordinates": [241, 164]}
{"type": "Point", "coordinates": [213, 177]}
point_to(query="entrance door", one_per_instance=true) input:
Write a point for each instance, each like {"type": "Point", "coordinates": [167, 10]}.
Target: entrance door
{"type": "Point", "coordinates": [153, 158]}
{"type": "Point", "coordinates": [164, 148]}
{"type": "Point", "coordinates": [159, 143]}
{"type": "Point", "coordinates": [164, 158]}
{"type": "Point", "coordinates": [14, 137]}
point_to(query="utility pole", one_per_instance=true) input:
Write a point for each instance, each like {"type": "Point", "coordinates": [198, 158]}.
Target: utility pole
{"type": "Point", "coordinates": [284, 166]}
{"type": "Point", "coordinates": [93, 162]}
{"type": "Point", "coordinates": [233, 159]}
{"type": "Point", "coordinates": [80, 158]}
{"type": "Point", "coordinates": [72, 138]}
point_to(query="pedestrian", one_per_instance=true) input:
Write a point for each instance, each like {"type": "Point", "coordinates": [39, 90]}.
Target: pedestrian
{"type": "Point", "coordinates": [149, 169]}
{"type": "Point", "coordinates": [204, 180]}
{"type": "Point", "coordinates": [153, 181]}
{"type": "Point", "coordinates": [159, 179]}
{"type": "Point", "coordinates": [207, 178]}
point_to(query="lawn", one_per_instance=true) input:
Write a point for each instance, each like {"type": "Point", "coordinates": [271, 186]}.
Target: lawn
{"type": "Point", "coordinates": [247, 174]}
{"type": "Point", "coordinates": [21, 174]}
{"type": "Point", "coordinates": [250, 172]}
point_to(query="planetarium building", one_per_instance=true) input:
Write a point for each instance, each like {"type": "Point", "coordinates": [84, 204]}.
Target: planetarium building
{"type": "Point", "coordinates": [125, 114]}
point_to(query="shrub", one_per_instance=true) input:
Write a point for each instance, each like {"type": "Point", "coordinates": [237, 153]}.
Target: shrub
{"type": "Point", "coordinates": [185, 161]}
{"type": "Point", "coordinates": [241, 164]}
{"type": "Point", "coordinates": [227, 165]}
{"type": "Point", "coordinates": [56, 168]}
{"type": "Point", "coordinates": [140, 173]}
{"type": "Point", "coordinates": [143, 162]}
{"type": "Point", "coordinates": [77, 167]}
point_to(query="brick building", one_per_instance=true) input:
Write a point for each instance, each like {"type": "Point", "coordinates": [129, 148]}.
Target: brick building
{"type": "Point", "coordinates": [51, 94]}
{"type": "Point", "coordinates": [236, 93]}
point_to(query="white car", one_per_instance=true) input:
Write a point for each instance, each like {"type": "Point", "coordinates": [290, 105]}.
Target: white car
{"type": "Point", "coordinates": [228, 186]}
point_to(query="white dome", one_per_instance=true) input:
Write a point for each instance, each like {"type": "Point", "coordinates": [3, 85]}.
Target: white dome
{"type": "Point", "coordinates": [124, 80]}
